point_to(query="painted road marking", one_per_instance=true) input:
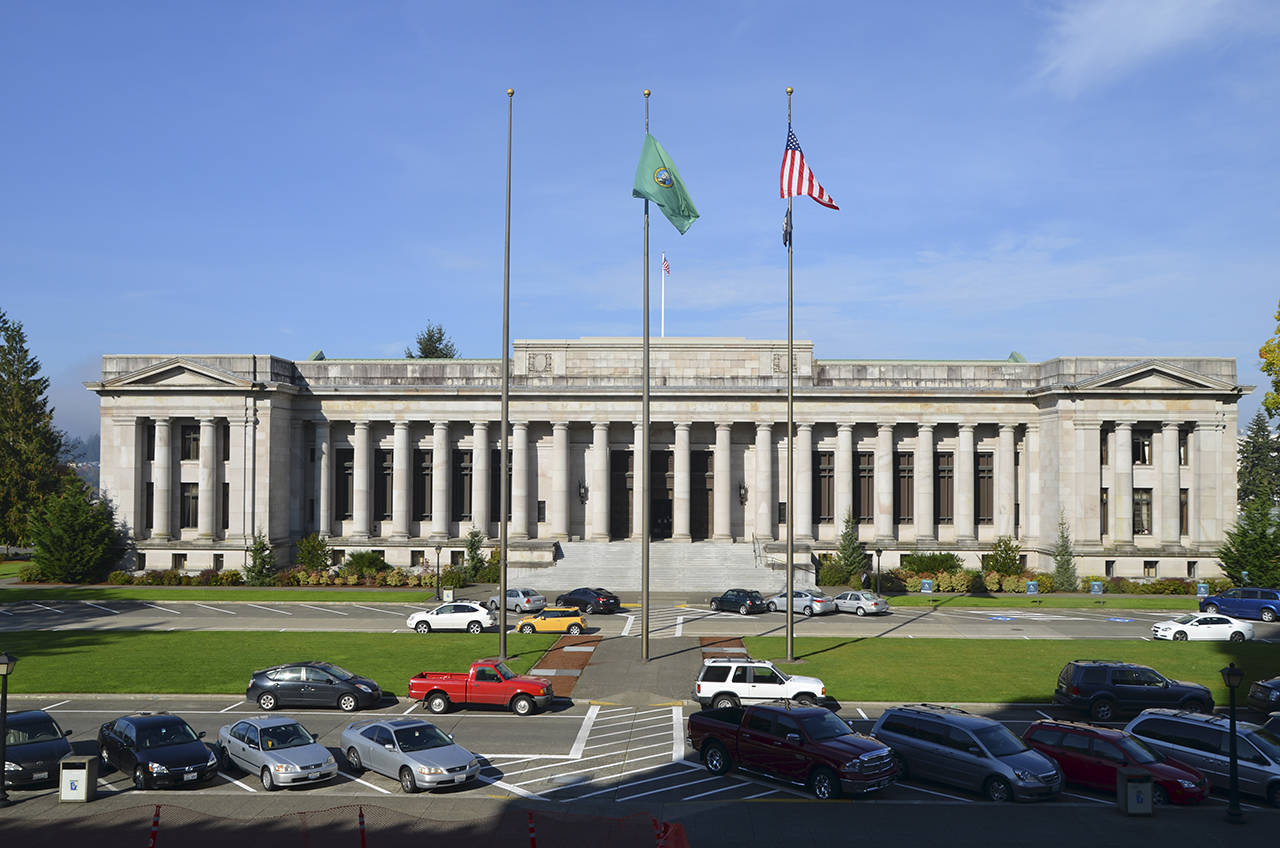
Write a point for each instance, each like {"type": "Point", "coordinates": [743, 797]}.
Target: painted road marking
{"type": "Point", "coordinates": [215, 609]}
{"type": "Point", "coordinates": [580, 741]}
{"type": "Point", "coordinates": [364, 782]}
{"type": "Point", "coordinates": [322, 609]}
{"type": "Point", "coordinates": [931, 792]}
{"type": "Point", "coordinates": [630, 783]}
{"type": "Point", "coordinates": [50, 609]}
{"type": "Point", "coordinates": [861, 713]}
{"type": "Point", "coordinates": [230, 708]}
{"type": "Point", "coordinates": [268, 609]}
{"type": "Point", "coordinates": [373, 609]}
{"type": "Point", "coordinates": [514, 790]}
{"type": "Point", "coordinates": [231, 779]}
{"type": "Point", "coordinates": [60, 703]}
{"type": "Point", "coordinates": [589, 768]}
{"type": "Point", "coordinates": [677, 734]}
{"type": "Point", "coordinates": [626, 629]}
{"type": "Point", "coordinates": [666, 788]}
{"type": "Point", "coordinates": [162, 609]}
{"type": "Point", "coordinates": [99, 606]}
{"type": "Point", "coordinates": [714, 791]}
{"type": "Point", "coordinates": [679, 626]}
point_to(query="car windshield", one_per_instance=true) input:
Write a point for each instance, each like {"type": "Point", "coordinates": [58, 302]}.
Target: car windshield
{"type": "Point", "coordinates": [165, 735]}
{"type": "Point", "coordinates": [336, 671]}
{"type": "Point", "coordinates": [506, 673]}
{"type": "Point", "coordinates": [285, 736]}
{"type": "Point", "coordinates": [824, 726]}
{"type": "Point", "coordinates": [1267, 741]}
{"type": "Point", "coordinates": [42, 730]}
{"type": "Point", "coordinates": [1185, 619]}
{"type": "Point", "coordinates": [754, 596]}
{"type": "Point", "coordinates": [1000, 741]}
{"type": "Point", "coordinates": [421, 738]}
{"type": "Point", "coordinates": [1137, 750]}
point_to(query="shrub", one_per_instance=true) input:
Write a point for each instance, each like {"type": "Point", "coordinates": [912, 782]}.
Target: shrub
{"type": "Point", "coordinates": [1170, 586]}
{"type": "Point", "coordinates": [490, 573]}
{"type": "Point", "coordinates": [172, 577]}
{"type": "Point", "coordinates": [292, 577]}
{"type": "Point", "coordinates": [148, 578]}
{"type": "Point", "coordinates": [312, 553]}
{"type": "Point", "coordinates": [991, 580]}
{"type": "Point", "coordinates": [228, 578]}
{"type": "Point", "coordinates": [475, 554]}
{"type": "Point", "coordinates": [261, 568]}
{"type": "Point", "coordinates": [935, 563]}
{"type": "Point", "coordinates": [1218, 584]}
{"type": "Point", "coordinates": [364, 564]}
{"type": "Point", "coordinates": [205, 577]}
{"type": "Point", "coordinates": [119, 578]}
{"type": "Point", "coordinates": [1089, 579]}
{"type": "Point", "coordinates": [891, 581]}
{"type": "Point", "coordinates": [913, 582]}
{"type": "Point", "coordinates": [30, 573]}
{"type": "Point", "coordinates": [1005, 557]}
{"type": "Point", "coordinates": [832, 573]}
{"type": "Point", "coordinates": [1013, 583]}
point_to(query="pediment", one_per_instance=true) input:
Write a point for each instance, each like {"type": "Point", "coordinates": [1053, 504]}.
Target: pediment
{"type": "Point", "coordinates": [178, 373]}
{"type": "Point", "coordinates": [1153, 375]}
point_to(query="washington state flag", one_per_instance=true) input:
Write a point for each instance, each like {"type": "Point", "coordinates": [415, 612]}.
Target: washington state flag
{"type": "Point", "coordinates": [659, 181]}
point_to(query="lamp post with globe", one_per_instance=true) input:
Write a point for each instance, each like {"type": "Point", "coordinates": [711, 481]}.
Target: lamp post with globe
{"type": "Point", "coordinates": [7, 662]}
{"type": "Point", "coordinates": [1233, 677]}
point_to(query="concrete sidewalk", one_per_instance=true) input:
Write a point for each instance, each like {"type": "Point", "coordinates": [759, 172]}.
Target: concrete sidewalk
{"type": "Point", "coordinates": [617, 675]}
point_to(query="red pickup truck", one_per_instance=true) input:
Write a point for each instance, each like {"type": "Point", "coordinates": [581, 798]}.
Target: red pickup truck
{"type": "Point", "coordinates": [809, 746]}
{"type": "Point", "coordinates": [488, 682]}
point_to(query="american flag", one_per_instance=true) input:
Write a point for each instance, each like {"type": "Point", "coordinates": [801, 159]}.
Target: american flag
{"type": "Point", "coordinates": [796, 178]}
{"type": "Point", "coordinates": [666, 266]}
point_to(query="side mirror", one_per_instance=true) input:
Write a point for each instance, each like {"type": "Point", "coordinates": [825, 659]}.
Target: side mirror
{"type": "Point", "coordinates": [315, 737]}
{"type": "Point", "coordinates": [389, 746]}
{"type": "Point", "coordinates": [254, 745]}
{"type": "Point", "coordinates": [200, 735]}
{"type": "Point", "coordinates": [66, 733]}
{"type": "Point", "coordinates": [450, 735]}
{"type": "Point", "coordinates": [793, 738]}
{"type": "Point", "coordinates": [975, 751]}
{"type": "Point", "coordinates": [849, 722]}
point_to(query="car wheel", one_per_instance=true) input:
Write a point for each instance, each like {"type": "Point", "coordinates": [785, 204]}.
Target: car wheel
{"type": "Point", "coordinates": [1103, 709]}
{"type": "Point", "coordinates": [773, 607]}
{"type": "Point", "coordinates": [588, 609]}
{"type": "Point", "coordinates": [902, 767]}
{"type": "Point", "coordinates": [716, 758]}
{"type": "Point", "coordinates": [1195, 705]}
{"type": "Point", "coordinates": [1268, 615]}
{"type": "Point", "coordinates": [1180, 636]}
{"type": "Point", "coordinates": [860, 611]}
{"type": "Point", "coordinates": [268, 784]}
{"type": "Point", "coordinates": [422, 627]}
{"type": "Point", "coordinates": [267, 701]}
{"type": "Point", "coordinates": [438, 703]}
{"type": "Point", "coordinates": [493, 606]}
{"type": "Point", "coordinates": [527, 628]}
{"type": "Point", "coordinates": [1212, 609]}
{"type": "Point", "coordinates": [475, 627]}
{"type": "Point", "coordinates": [1273, 794]}
{"type": "Point", "coordinates": [140, 779]}
{"type": "Point", "coordinates": [808, 611]}
{"type": "Point", "coordinates": [407, 783]}
{"type": "Point", "coordinates": [522, 705]}
{"type": "Point", "coordinates": [1158, 796]}
{"type": "Point", "coordinates": [106, 761]}
{"type": "Point", "coordinates": [353, 759]}
{"type": "Point", "coordinates": [824, 785]}
{"type": "Point", "coordinates": [997, 789]}
{"type": "Point", "coordinates": [721, 702]}
{"type": "Point", "coordinates": [742, 610]}
{"type": "Point", "coordinates": [347, 703]}
{"type": "Point", "coordinates": [1237, 636]}
{"type": "Point", "coordinates": [715, 607]}
{"type": "Point", "coordinates": [224, 759]}
{"type": "Point", "coordinates": [575, 630]}
{"type": "Point", "coordinates": [805, 699]}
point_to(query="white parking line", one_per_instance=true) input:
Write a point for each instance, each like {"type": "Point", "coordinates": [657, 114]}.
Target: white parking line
{"type": "Point", "coordinates": [680, 625]}
{"type": "Point", "coordinates": [714, 791]}
{"type": "Point", "coordinates": [322, 609]}
{"type": "Point", "coordinates": [230, 708]}
{"type": "Point", "coordinates": [931, 792]}
{"type": "Point", "coordinates": [50, 609]}
{"type": "Point", "coordinates": [580, 741]}
{"type": "Point", "coordinates": [761, 795]}
{"type": "Point", "coordinates": [861, 713]}
{"type": "Point", "coordinates": [626, 628]}
{"type": "Point", "coordinates": [215, 609]}
{"type": "Point", "coordinates": [268, 609]}
{"type": "Point", "coordinates": [677, 734]}
{"type": "Point", "coordinates": [412, 707]}
{"type": "Point", "coordinates": [614, 710]}
{"type": "Point", "coordinates": [629, 783]}
{"type": "Point", "coordinates": [60, 703]}
{"type": "Point", "coordinates": [1045, 714]}
{"type": "Point", "coordinates": [629, 740]}
{"type": "Point", "coordinates": [1090, 798]}
{"type": "Point", "coordinates": [5, 612]}
{"type": "Point", "coordinates": [579, 771]}
{"type": "Point", "coordinates": [365, 783]}
{"type": "Point", "coordinates": [231, 779]}
{"type": "Point", "coordinates": [621, 732]}
{"type": "Point", "coordinates": [162, 609]}
{"type": "Point", "coordinates": [383, 611]}
{"type": "Point", "coordinates": [668, 788]}
{"type": "Point", "coordinates": [514, 790]}
{"type": "Point", "coordinates": [99, 606]}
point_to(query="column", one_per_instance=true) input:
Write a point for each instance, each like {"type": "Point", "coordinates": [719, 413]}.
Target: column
{"type": "Point", "coordinates": [1122, 497]}
{"type": "Point", "coordinates": [519, 526]}
{"type": "Point", "coordinates": [598, 484]}
{"type": "Point", "coordinates": [680, 505]}
{"type": "Point", "coordinates": [441, 460]}
{"type": "Point", "coordinates": [1169, 484]}
{"type": "Point", "coordinates": [480, 473]}
{"type": "Point", "coordinates": [206, 488]}
{"type": "Point", "coordinates": [637, 466]}
{"type": "Point", "coordinates": [297, 488]}
{"type": "Point", "coordinates": [844, 475]}
{"type": "Point", "coordinates": [801, 507]}
{"type": "Point", "coordinates": [162, 482]}
{"type": "Point", "coordinates": [722, 484]}
{"type": "Point", "coordinates": [1005, 481]}
{"type": "Point", "coordinates": [763, 495]}
{"type": "Point", "coordinates": [361, 468]}
{"type": "Point", "coordinates": [558, 511]}
{"type": "Point", "coordinates": [1088, 527]}
{"type": "Point", "coordinates": [1031, 511]}
{"type": "Point", "coordinates": [924, 484]}
{"type": "Point", "coordinates": [1193, 484]}
{"type": "Point", "coordinates": [324, 480]}
{"type": "Point", "coordinates": [401, 481]}
{"type": "Point", "coordinates": [884, 483]}
{"type": "Point", "coordinates": [964, 485]}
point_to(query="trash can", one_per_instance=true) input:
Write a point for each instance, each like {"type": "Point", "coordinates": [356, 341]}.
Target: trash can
{"type": "Point", "coordinates": [446, 595]}
{"type": "Point", "coordinates": [78, 778]}
{"type": "Point", "coordinates": [1133, 791]}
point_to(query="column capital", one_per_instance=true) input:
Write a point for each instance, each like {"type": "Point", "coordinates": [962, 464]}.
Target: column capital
{"type": "Point", "coordinates": [764, 425]}
{"type": "Point", "coordinates": [924, 427]}
{"type": "Point", "coordinates": [881, 426]}
{"type": "Point", "coordinates": [724, 425]}
{"type": "Point", "coordinates": [599, 425]}
{"type": "Point", "coordinates": [400, 425]}
{"type": "Point", "coordinates": [559, 425]}
{"type": "Point", "coordinates": [162, 419]}
{"type": "Point", "coordinates": [519, 425]}
{"type": "Point", "coordinates": [1126, 423]}
{"type": "Point", "coordinates": [1170, 425]}
{"type": "Point", "coordinates": [439, 425]}
{"type": "Point", "coordinates": [966, 425]}
{"type": "Point", "coordinates": [361, 425]}
{"type": "Point", "coordinates": [683, 425]}
{"type": "Point", "coordinates": [207, 419]}
{"type": "Point", "coordinates": [1007, 427]}
{"type": "Point", "coordinates": [845, 428]}
{"type": "Point", "coordinates": [804, 425]}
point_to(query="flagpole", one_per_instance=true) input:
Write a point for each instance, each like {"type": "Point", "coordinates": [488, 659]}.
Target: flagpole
{"type": "Point", "coordinates": [791, 465]}
{"type": "Point", "coordinates": [504, 475]}
{"type": "Point", "coordinates": [663, 325]}
{"type": "Point", "coordinates": [644, 438]}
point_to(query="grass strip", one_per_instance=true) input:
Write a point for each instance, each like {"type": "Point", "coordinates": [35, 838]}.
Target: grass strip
{"type": "Point", "coordinates": [223, 593]}
{"type": "Point", "coordinates": [9, 567]}
{"type": "Point", "coordinates": [200, 662]}
{"type": "Point", "coordinates": [1051, 601]}
{"type": "Point", "coordinates": [998, 670]}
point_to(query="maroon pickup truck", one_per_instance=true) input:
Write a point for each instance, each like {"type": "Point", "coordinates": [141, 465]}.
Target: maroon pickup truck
{"type": "Point", "coordinates": [809, 746]}
{"type": "Point", "coordinates": [488, 682]}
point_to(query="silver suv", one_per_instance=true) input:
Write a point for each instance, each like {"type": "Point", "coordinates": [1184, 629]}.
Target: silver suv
{"type": "Point", "coordinates": [973, 752]}
{"type": "Point", "coordinates": [1203, 742]}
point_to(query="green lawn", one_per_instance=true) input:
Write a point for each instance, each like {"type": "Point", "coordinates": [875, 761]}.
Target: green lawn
{"type": "Point", "coordinates": [221, 661]}
{"type": "Point", "coordinates": [9, 567]}
{"type": "Point", "coordinates": [1050, 601]}
{"type": "Point", "coordinates": [998, 670]}
{"type": "Point", "coordinates": [223, 593]}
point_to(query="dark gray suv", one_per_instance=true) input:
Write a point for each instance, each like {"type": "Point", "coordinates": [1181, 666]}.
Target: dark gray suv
{"type": "Point", "coordinates": [1105, 688]}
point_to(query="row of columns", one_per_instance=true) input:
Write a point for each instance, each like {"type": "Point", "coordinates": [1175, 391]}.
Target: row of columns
{"type": "Point", "coordinates": [162, 480]}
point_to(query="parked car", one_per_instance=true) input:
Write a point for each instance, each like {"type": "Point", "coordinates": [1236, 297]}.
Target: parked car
{"type": "Point", "coordinates": [861, 603]}
{"type": "Point", "coordinates": [458, 615]}
{"type": "Point", "coordinates": [1272, 724]}
{"type": "Point", "coordinates": [277, 749]}
{"type": "Point", "coordinates": [490, 682]}
{"type": "Point", "coordinates": [590, 600]}
{"type": "Point", "coordinates": [158, 749]}
{"type": "Point", "coordinates": [553, 620]}
{"type": "Point", "coordinates": [520, 600]}
{"type": "Point", "coordinates": [1091, 756]}
{"type": "Point", "coordinates": [1244, 603]}
{"type": "Point", "coordinates": [974, 752]}
{"type": "Point", "coordinates": [1105, 688]}
{"type": "Point", "coordinates": [728, 682]}
{"type": "Point", "coordinates": [33, 746]}
{"type": "Point", "coordinates": [1202, 742]}
{"type": "Point", "coordinates": [311, 684]}
{"type": "Point", "coordinates": [1202, 627]}
{"type": "Point", "coordinates": [806, 601]}
{"type": "Point", "coordinates": [1264, 695]}
{"type": "Point", "coordinates": [415, 752]}
{"type": "Point", "coordinates": [808, 746]}
{"type": "Point", "coordinates": [741, 601]}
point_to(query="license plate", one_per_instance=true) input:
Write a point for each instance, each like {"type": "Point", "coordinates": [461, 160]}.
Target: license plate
{"type": "Point", "coordinates": [191, 775]}
{"type": "Point", "coordinates": [40, 775]}
{"type": "Point", "coordinates": [313, 775]}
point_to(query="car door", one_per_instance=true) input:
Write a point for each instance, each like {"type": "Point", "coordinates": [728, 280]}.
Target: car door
{"type": "Point", "coordinates": [1212, 628]}
{"type": "Point", "coordinates": [844, 602]}
{"type": "Point", "coordinates": [1232, 602]}
{"type": "Point", "coordinates": [368, 748]}
{"type": "Point", "coordinates": [287, 685]}
{"type": "Point", "coordinates": [487, 687]}
{"type": "Point", "coordinates": [126, 758]}
{"type": "Point", "coordinates": [112, 741]}
{"type": "Point", "coordinates": [765, 683]}
{"type": "Point", "coordinates": [789, 760]}
{"type": "Point", "coordinates": [1072, 753]}
{"type": "Point", "coordinates": [755, 742]}
{"type": "Point", "coordinates": [1255, 770]}
{"type": "Point", "coordinates": [251, 759]}
{"type": "Point", "coordinates": [1105, 761]}
{"type": "Point", "coordinates": [236, 746]}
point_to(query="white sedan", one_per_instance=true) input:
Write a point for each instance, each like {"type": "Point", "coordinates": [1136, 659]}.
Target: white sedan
{"type": "Point", "coordinates": [804, 600]}
{"type": "Point", "coordinates": [459, 615]}
{"type": "Point", "coordinates": [1202, 627]}
{"type": "Point", "coordinates": [861, 603]}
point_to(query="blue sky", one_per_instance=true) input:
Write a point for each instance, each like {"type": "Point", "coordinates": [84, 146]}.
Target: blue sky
{"type": "Point", "coordinates": [1046, 176]}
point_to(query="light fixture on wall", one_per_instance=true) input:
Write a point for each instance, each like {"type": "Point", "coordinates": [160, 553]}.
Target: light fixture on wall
{"type": "Point", "coordinates": [742, 492]}
{"type": "Point", "coordinates": [582, 492]}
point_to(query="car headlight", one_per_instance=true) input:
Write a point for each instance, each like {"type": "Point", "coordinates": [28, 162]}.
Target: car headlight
{"type": "Point", "coordinates": [328, 761]}
{"type": "Point", "coordinates": [430, 770]}
{"type": "Point", "coordinates": [1275, 695]}
{"type": "Point", "coordinates": [286, 768]}
{"type": "Point", "coordinates": [853, 765]}
{"type": "Point", "coordinates": [8, 766]}
{"type": "Point", "coordinates": [213, 759]}
{"type": "Point", "coordinates": [474, 762]}
{"type": "Point", "coordinates": [1025, 776]}
{"type": "Point", "coordinates": [364, 688]}
{"type": "Point", "coordinates": [1187, 784]}
{"type": "Point", "coordinates": [156, 768]}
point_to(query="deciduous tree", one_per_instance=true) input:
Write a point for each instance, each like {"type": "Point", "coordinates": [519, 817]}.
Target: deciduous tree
{"type": "Point", "coordinates": [1270, 353]}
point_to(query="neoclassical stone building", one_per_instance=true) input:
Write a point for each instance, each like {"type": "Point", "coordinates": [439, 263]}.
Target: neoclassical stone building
{"type": "Point", "coordinates": [401, 456]}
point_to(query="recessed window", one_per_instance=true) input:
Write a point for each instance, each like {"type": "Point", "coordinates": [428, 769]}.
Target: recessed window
{"type": "Point", "coordinates": [149, 439]}
{"type": "Point", "coordinates": [189, 438]}
{"type": "Point", "coordinates": [1104, 448]}
{"type": "Point", "coordinates": [904, 488]}
{"type": "Point", "coordinates": [542, 511]}
{"type": "Point", "coordinates": [217, 562]}
{"type": "Point", "coordinates": [824, 489]}
{"type": "Point", "coordinates": [1104, 511]}
{"type": "Point", "coordinates": [344, 482]}
{"type": "Point", "coordinates": [189, 511]}
{"type": "Point", "coordinates": [1142, 512]}
{"type": "Point", "coordinates": [178, 562]}
{"type": "Point", "coordinates": [865, 491]}
{"type": "Point", "coordinates": [984, 482]}
{"type": "Point", "coordinates": [782, 512]}
{"type": "Point", "coordinates": [1109, 567]}
{"type": "Point", "coordinates": [1184, 451]}
{"type": "Point", "coordinates": [1191, 569]}
{"type": "Point", "coordinates": [1141, 447]}
{"type": "Point", "coordinates": [224, 441]}
{"type": "Point", "coordinates": [1149, 567]}
{"type": "Point", "coordinates": [1184, 498]}
{"type": "Point", "coordinates": [226, 506]}
{"type": "Point", "coordinates": [944, 487]}
{"type": "Point", "coordinates": [149, 510]}
{"type": "Point", "coordinates": [461, 468]}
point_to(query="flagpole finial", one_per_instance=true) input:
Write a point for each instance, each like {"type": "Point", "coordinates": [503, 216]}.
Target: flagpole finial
{"type": "Point", "coordinates": [646, 92]}
{"type": "Point", "coordinates": [790, 91]}
{"type": "Point", "coordinates": [511, 92]}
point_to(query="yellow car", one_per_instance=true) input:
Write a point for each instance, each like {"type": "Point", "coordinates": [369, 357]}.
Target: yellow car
{"type": "Point", "coordinates": [553, 620]}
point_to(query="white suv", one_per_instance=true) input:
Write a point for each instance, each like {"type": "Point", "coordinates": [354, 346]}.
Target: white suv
{"type": "Point", "coordinates": [730, 682]}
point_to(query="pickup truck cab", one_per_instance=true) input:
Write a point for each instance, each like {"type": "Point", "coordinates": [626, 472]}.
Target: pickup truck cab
{"type": "Point", "coordinates": [489, 682]}
{"type": "Point", "coordinates": [809, 746]}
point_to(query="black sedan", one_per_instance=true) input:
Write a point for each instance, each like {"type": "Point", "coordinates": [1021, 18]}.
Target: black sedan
{"type": "Point", "coordinates": [311, 684]}
{"type": "Point", "coordinates": [741, 601]}
{"type": "Point", "coordinates": [1264, 695]}
{"type": "Point", "coordinates": [590, 600]}
{"type": "Point", "coordinates": [33, 745]}
{"type": "Point", "coordinates": [158, 749]}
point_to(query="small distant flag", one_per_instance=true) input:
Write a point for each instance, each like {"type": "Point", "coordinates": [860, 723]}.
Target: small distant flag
{"type": "Point", "coordinates": [796, 179]}
{"type": "Point", "coordinates": [666, 266]}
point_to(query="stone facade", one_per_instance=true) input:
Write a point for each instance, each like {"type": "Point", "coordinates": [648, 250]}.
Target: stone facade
{"type": "Point", "coordinates": [400, 456]}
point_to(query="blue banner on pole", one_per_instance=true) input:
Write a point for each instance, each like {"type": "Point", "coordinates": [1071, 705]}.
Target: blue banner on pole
{"type": "Point", "coordinates": [926, 586]}
{"type": "Point", "coordinates": [1095, 587]}
{"type": "Point", "coordinates": [1033, 587]}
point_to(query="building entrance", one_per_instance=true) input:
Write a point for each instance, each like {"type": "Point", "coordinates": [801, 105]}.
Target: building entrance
{"type": "Point", "coordinates": [662, 473]}
{"type": "Point", "coordinates": [621, 494]}
{"type": "Point", "coordinates": [701, 495]}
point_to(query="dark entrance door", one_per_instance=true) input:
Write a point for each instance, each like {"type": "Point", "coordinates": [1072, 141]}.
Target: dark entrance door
{"type": "Point", "coordinates": [621, 494]}
{"type": "Point", "coordinates": [661, 493]}
{"type": "Point", "coordinates": [701, 493]}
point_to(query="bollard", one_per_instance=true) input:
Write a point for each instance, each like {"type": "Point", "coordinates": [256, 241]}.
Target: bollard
{"type": "Point", "coordinates": [361, 809]}
{"type": "Point", "coordinates": [155, 827]}
{"type": "Point", "coordinates": [533, 837]}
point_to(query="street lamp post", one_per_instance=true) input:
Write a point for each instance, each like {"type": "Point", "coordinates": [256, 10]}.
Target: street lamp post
{"type": "Point", "coordinates": [439, 548]}
{"type": "Point", "coordinates": [878, 552]}
{"type": "Point", "coordinates": [1233, 677]}
{"type": "Point", "coordinates": [7, 662]}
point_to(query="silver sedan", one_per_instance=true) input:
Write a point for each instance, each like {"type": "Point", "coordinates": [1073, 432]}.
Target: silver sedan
{"type": "Point", "coordinates": [415, 752]}
{"type": "Point", "coordinates": [520, 600]}
{"type": "Point", "coordinates": [277, 749]}
{"type": "Point", "coordinates": [861, 603]}
{"type": "Point", "coordinates": [804, 600]}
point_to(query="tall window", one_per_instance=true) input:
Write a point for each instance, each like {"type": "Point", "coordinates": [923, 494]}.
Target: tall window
{"type": "Point", "coordinates": [865, 508]}
{"type": "Point", "coordinates": [1142, 512]}
{"type": "Point", "coordinates": [495, 483]}
{"type": "Point", "coordinates": [189, 507]}
{"type": "Point", "coordinates": [189, 437]}
{"type": "Point", "coordinates": [461, 485]}
{"type": "Point", "coordinates": [1191, 569]}
{"type": "Point", "coordinates": [149, 439]}
{"type": "Point", "coordinates": [421, 485]}
{"type": "Point", "coordinates": [1104, 448]}
{"type": "Point", "coordinates": [1149, 567]}
{"type": "Point", "coordinates": [824, 489]}
{"type": "Point", "coordinates": [224, 441]}
{"type": "Point", "coordinates": [1141, 447]}
{"type": "Point", "coordinates": [1183, 447]}
{"type": "Point", "coordinates": [344, 481]}
{"type": "Point", "coordinates": [985, 483]}
{"type": "Point", "coordinates": [944, 487]}
{"type": "Point", "coordinates": [1184, 497]}
{"type": "Point", "coordinates": [383, 484]}
{"type": "Point", "coordinates": [782, 512]}
{"type": "Point", "coordinates": [149, 511]}
{"type": "Point", "coordinates": [904, 488]}
{"type": "Point", "coordinates": [225, 503]}
{"type": "Point", "coordinates": [1104, 511]}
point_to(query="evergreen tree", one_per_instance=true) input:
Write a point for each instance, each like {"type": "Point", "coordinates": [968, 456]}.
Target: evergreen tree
{"type": "Point", "coordinates": [30, 446]}
{"type": "Point", "coordinates": [75, 536]}
{"type": "Point", "coordinates": [1259, 473]}
{"type": "Point", "coordinates": [1004, 557]}
{"type": "Point", "coordinates": [1064, 565]}
{"type": "Point", "coordinates": [851, 556]}
{"type": "Point", "coordinates": [475, 552]}
{"type": "Point", "coordinates": [312, 553]}
{"type": "Point", "coordinates": [432, 343]}
{"type": "Point", "coordinates": [260, 570]}
{"type": "Point", "coordinates": [1253, 545]}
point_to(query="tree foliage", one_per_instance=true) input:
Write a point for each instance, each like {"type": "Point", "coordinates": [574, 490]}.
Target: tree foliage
{"type": "Point", "coordinates": [1259, 473]}
{"type": "Point", "coordinates": [75, 536]}
{"type": "Point", "coordinates": [312, 553]}
{"type": "Point", "coordinates": [851, 556]}
{"type": "Point", "coordinates": [30, 446]}
{"type": "Point", "coordinates": [260, 570]}
{"type": "Point", "coordinates": [1004, 557]}
{"type": "Point", "coordinates": [432, 343]}
{"type": "Point", "coordinates": [1253, 545]}
{"type": "Point", "coordinates": [1064, 564]}
{"type": "Point", "coordinates": [1270, 353]}
{"type": "Point", "coordinates": [475, 552]}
